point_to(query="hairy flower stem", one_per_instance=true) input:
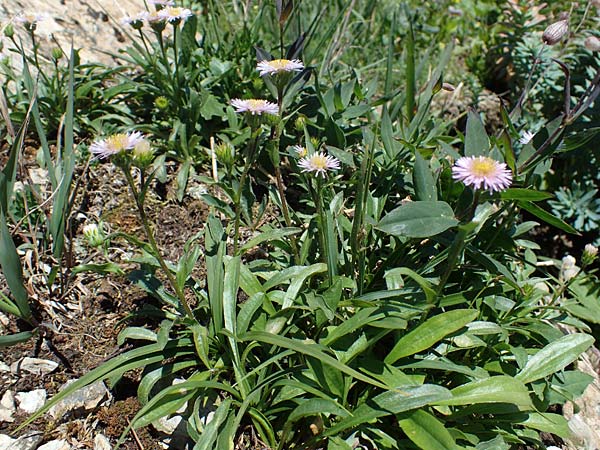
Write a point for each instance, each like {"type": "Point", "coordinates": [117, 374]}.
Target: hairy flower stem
{"type": "Point", "coordinates": [146, 224]}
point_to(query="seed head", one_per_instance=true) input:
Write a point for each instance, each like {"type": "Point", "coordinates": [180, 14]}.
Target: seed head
{"type": "Point", "coordinates": [555, 32]}
{"type": "Point", "coordinates": [592, 43]}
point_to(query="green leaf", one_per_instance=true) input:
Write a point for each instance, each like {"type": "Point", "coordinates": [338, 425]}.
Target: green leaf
{"type": "Point", "coordinates": [548, 422]}
{"type": "Point", "coordinates": [309, 349]}
{"type": "Point", "coordinates": [477, 142]}
{"type": "Point", "coordinates": [17, 338]}
{"type": "Point", "coordinates": [529, 195]}
{"type": "Point", "coordinates": [426, 431]}
{"type": "Point", "coordinates": [418, 219]}
{"type": "Point", "coordinates": [423, 180]}
{"type": "Point", "coordinates": [12, 270]}
{"type": "Point", "coordinates": [499, 389]}
{"type": "Point", "coordinates": [405, 398]}
{"type": "Point", "coordinates": [547, 217]}
{"type": "Point", "coordinates": [422, 282]}
{"type": "Point", "coordinates": [430, 332]}
{"type": "Point", "coordinates": [555, 356]}
{"type": "Point", "coordinates": [139, 333]}
{"type": "Point", "coordinates": [270, 235]}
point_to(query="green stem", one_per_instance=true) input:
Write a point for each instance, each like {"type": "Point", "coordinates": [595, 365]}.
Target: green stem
{"type": "Point", "coordinates": [154, 245]}
{"type": "Point", "coordinates": [238, 195]}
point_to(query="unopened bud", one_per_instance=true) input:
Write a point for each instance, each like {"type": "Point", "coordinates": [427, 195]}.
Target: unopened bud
{"type": "Point", "coordinates": [9, 31]}
{"type": "Point", "coordinates": [161, 102]}
{"type": "Point", "coordinates": [568, 268]}
{"type": "Point", "coordinates": [300, 122]}
{"type": "Point", "coordinates": [592, 43]}
{"type": "Point", "coordinates": [590, 252]}
{"type": "Point", "coordinates": [225, 153]}
{"type": "Point", "coordinates": [94, 234]}
{"type": "Point", "coordinates": [142, 154]}
{"type": "Point", "coordinates": [57, 53]}
{"type": "Point", "coordinates": [555, 32]}
{"type": "Point", "coordinates": [448, 87]}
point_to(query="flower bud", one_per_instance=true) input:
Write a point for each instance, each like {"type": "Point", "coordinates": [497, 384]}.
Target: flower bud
{"type": "Point", "coordinates": [161, 102]}
{"type": "Point", "coordinates": [9, 30]}
{"type": "Point", "coordinates": [555, 32]}
{"type": "Point", "coordinates": [592, 43]}
{"type": "Point", "coordinates": [590, 252]}
{"type": "Point", "coordinates": [300, 122]}
{"type": "Point", "coordinates": [143, 155]}
{"type": "Point", "coordinates": [94, 234]}
{"type": "Point", "coordinates": [57, 53]}
{"type": "Point", "coordinates": [225, 153]}
{"type": "Point", "coordinates": [568, 269]}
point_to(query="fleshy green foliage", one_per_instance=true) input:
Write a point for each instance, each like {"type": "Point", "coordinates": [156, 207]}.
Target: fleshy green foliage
{"type": "Point", "coordinates": [578, 205]}
{"type": "Point", "coordinates": [382, 304]}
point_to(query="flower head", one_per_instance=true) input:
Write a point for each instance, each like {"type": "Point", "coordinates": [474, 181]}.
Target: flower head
{"type": "Point", "coordinates": [319, 163]}
{"type": "Point", "coordinates": [568, 268]}
{"type": "Point", "coordinates": [301, 152]}
{"type": "Point", "coordinates": [278, 66]}
{"type": "Point", "coordinates": [254, 107]}
{"type": "Point", "coordinates": [163, 2]}
{"type": "Point", "coordinates": [115, 144]}
{"type": "Point", "coordinates": [31, 18]}
{"type": "Point", "coordinates": [481, 171]}
{"type": "Point", "coordinates": [173, 14]}
{"type": "Point", "coordinates": [526, 137]}
{"type": "Point", "coordinates": [94, 234]}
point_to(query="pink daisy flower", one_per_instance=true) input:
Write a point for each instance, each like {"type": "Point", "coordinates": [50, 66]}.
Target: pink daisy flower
{"type": "Point", "coordinates": [279, 65]}
{"type": "Point", "coordinates": [114, 144]}
{"type": "Point", "coordinates": [254, 106]}
{"type": "Point", "coordinates": [172, 13]}
{"type": "Point", "coordinates": [319, 163]}
{"type": "Point", "coordinates": [482, 172]}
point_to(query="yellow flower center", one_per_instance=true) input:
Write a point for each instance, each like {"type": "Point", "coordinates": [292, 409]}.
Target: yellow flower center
{"type": "Point", "coordinates": [175, 11]}
{"type": "Point", "coordinates": [483, 167]}
{"type": "Point", "coordinates": [256, 104]}
{"type": "Point", "coordinates": [117, 142]}
{"type": "Point", "coordinates": [279, 64]}
{"type": "Point", "coordinates": [319, 162]}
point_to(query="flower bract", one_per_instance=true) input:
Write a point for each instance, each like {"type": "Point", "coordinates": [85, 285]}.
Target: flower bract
{"type": "Point", "coordinates": [319, 163]}
{"type": "Point", "coordinates": [482, 172]}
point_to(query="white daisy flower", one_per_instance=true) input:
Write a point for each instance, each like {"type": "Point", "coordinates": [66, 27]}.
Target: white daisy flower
{"type": "Point", "coordinates": [300, 151]}
{"type": "Point", "coordinates": [163, 2]}
{"type": "Point", "coordinates": [482, 172]}
{"type": "Point", "coordinates": [114, 144]}
{"type": "Point", "coordinates": [172, 14]}
{"type": "Point", "coordinates": [526, 137]}
{"type": "Point", "coordinates": [279, 65]}
{"type": "Point", "coordinates": [31, 18]}
{"type": "Point", "coordinates": [255, 106]}
{"type": "Point", "coordinates": [319, 163]}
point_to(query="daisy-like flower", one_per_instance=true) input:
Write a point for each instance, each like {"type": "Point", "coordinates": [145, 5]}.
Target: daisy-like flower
{"type": "Point", "coordinates": [300, 151]}
{"type": "Point", "coordinates": [319, 163]}
{"type": "Point", "coordinates": [172, 13]}
{"type": "Point", "coordinates": [31, 18]}
{"type": "Point", "coordinates": [114, 144]}
{"type": "Point", "coordinates": [278, 66]}
{"type": "Point", "coordinates": [163, 2]}
{"type": "Point", "coordinates": [254, 106]}
{"type": "Point", "coordinates": [135, 20]}
{"type": "Point", "coordinates": [526, 137]}
{"type": "Point", "coordinates": [482, 172]}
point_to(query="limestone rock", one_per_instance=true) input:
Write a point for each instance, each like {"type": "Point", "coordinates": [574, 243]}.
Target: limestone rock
{"type": "Point", "coordinates": [35, 366]}
{"type": "Point", "coordinates": [86, 398]}
{"type": "Point", "coordinates": [58, 444]}
{"type": "Point", "coordinates": [101, 442]}
{"type": "Point", "coordinates": [7, 408]}
{"type": "Point", "coordinates": [28, 441]}
{"type": "Point", "coordinates": [31, 401]}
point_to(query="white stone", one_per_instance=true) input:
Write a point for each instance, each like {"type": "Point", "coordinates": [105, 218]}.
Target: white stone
{"type": "Point", "coordinates": [34, 365]}
{"type": "Point", "coordinates": [101, 442]}
{"type": "Point", "coordinates": [5, 441]}
{"type": "Point", "coordinates": [168, 426]}
{"type": "Point", "coordinates": [7, 408]}
{"type": "Point", "coordinates": [31, 401]}
{"type": "Point", "coordinates": [29, 441]}
{"type": "Point", "coordinates": [58, 444]}
{"type": "Point", "coordinates": [86, 398]}
{"type": "Point", "coordinates": [4, 367]}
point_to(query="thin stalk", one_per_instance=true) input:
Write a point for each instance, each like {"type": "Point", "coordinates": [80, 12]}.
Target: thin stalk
{"type": "Point", "coordinates": [238, 194]}
{"type": "Point", "coordinates": [154, 245]}
{"type": "Point", "coordinates": [322, 226]}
